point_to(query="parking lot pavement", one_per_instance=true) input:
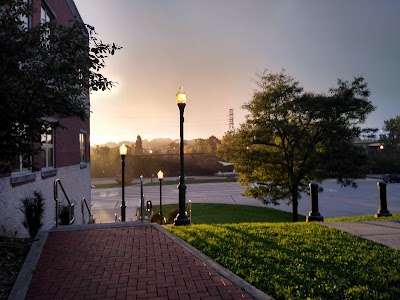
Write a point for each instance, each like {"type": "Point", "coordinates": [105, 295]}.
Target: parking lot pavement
{"type": "Point", "coordinates": [335, 201]}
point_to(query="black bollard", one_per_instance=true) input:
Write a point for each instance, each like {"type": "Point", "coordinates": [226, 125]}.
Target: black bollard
{"type": "Point", "coordinates": [314, 214]}
{"type": "Point", "coordinates": [382, 211]}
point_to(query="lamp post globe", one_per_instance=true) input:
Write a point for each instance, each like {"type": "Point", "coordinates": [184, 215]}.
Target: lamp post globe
{"type": "Point", "coordinates": [160, 175]}
{"type": "Point", "coordinates": [181, 96]}
{"type": "Point", "coordinates": [181, 218]}
{"type": "Point", "coordinates": [122, 151]}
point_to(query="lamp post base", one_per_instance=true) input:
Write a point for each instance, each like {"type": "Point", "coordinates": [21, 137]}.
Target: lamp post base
{"type": "Point", "coordinates": [312, 218]}
{"type": "Point", "coordinates": [181, 220]}
{"type": "Point", "coordinates": [123, 212]}
{"type": "Point", "coordinates": [382, 213]}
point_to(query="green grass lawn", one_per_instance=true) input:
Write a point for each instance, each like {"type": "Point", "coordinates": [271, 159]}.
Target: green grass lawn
{"type": "Point", "coordinates": [192, 181]}
{"type": "Point", "coordinates": [395, 216]}
{"type": "Point", "coordinates": [300, 260]}
{"type": "Point", "coordinates": [165, 182]}
{"type": "Point", "coordinates": [292, 260]}
{"type": "Point", "coordinates": [203, 213]}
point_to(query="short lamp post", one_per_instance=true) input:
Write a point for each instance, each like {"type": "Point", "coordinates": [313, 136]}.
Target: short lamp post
{"type": "Point", "coordinates": [160, 176]}
{"type": "Point", "coordinates": [181, 218]}
{"type": "Point", "coordinates": [122, 151]}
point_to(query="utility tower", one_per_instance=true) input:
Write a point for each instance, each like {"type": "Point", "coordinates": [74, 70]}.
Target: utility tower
{"type": "Point", "coordinates": [231, 126]}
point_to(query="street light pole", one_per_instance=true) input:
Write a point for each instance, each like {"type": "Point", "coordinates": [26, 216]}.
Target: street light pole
{"type": "Point", "coordinates": [141, 199]}
{"type": "Point", "coordinates": [160, 176]}
{"type": "Point", "coordinates": [181, 218]}
{"type": "Point", "coordinates": [122, 151]}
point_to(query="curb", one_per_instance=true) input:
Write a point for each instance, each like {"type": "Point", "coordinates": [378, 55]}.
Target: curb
{"type": "Point", "coordinates": [23, 280]}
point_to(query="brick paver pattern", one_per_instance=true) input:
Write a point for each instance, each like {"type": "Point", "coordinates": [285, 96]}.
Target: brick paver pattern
{"type": "Point", "coordinates": [124, 263]}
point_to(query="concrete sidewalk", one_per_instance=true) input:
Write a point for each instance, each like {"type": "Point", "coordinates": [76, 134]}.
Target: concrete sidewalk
{"type": "Point", "coordinates": [383, 232]}
{"type": "Point", "coordinates": [124, 261]}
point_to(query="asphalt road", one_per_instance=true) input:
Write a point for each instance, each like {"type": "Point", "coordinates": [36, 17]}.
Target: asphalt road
{"type": "Point", "coordinates": [335, 201]}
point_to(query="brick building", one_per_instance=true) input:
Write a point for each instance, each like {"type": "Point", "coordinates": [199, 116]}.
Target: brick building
{"type": "Point", "coordinates": [65, 152]}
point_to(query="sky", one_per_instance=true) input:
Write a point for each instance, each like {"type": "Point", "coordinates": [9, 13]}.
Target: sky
{"type": "Point", "coordinates": [214, 48]}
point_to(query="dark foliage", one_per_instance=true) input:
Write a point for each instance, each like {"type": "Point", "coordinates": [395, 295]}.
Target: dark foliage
{"type": "Point", "coordinates": [156, 218]}
{"type": "Point", "coordinates": [63, 215]}
{"type": "Point", "coordinates": [44, 75]}
{"type": "Point", "coordinates": [172, 215]}
{"type": "Point", "coordinates": [33, 209]}
{"type": "Point", "coordinates": [12, 256]}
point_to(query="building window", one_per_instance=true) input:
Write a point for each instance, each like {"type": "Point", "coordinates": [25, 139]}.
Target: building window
{"type": "Point", "coordinates": [45, 17]}
{"type": "Point", "coordinates": [22, 171]}
{"type": "Point", "coordinates": [82, 146]}
{"type": "Point", "coordinates": [26, 20]}
{"type": "Point", "coordinates": [48, 149]}
{"type": "Point", "coordinates": [23, 164]}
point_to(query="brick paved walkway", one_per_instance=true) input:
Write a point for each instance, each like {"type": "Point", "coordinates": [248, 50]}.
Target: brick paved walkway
{"type": "Point", "coordinates": [137, 262]}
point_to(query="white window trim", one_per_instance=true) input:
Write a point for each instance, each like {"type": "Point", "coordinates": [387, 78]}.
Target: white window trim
{"type": "Point", "coordinates": [83, 134]}
{"type": "Point", "coordinates": [21, 169]}
{"type": "Point", "coordinates": [46, 147]}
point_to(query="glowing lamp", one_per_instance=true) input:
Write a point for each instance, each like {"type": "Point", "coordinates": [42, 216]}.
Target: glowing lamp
{"type": "Point", "coordinates": [181, 96]}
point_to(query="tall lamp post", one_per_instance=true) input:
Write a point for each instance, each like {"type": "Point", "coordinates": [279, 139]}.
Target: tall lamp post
{"type": "Point", "coordinates": [181, 218]}
{"type": "Point", "coordinates": [122, 151]}
{"type": "Point", "coordinates": [141, 199]}
{"type": "Point", "coordinates": [160, 176]}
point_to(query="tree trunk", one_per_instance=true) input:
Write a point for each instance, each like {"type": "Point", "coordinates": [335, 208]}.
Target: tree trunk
{"type": "Point", "coordinates": [295, 204]}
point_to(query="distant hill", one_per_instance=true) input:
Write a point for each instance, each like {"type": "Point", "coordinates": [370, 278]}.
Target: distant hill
{"type": "Point", "coordinates": [157, 143]}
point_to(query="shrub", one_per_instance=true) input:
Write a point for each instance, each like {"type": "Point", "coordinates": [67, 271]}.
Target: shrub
{"type": "Point", "coordinates": [156, 218]}
{"type": "Point", "coordinates": [63, 215]}
{"type": "Point", "coordinates": [33, 209]}
{"type": "Point", "coordinates": [172, 215]}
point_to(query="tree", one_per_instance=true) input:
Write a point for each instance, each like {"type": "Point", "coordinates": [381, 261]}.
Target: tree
{"type": "Point", "coordinates": [291, 137]}
{"type": "Point", "coordinates": [201, 146]}
{"type": "Point", "coordinates": [105, 161]}
{"type": "Point", "coordinates": [138, 146]}
{"type": "Point", "coordinates": [44, 72]}
{"type": "Point", "coordinates": [214, 142]}
{"type": "Point", "coordinates": [391, 139]}
{"type": "Point", "coordinates": [387, 159]}
{"type": "Point", "coordinates": [173, 148]}
{"type": "Point", "coordinates": [207, 145]}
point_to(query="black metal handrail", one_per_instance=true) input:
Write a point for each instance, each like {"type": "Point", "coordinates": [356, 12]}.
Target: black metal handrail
{"type": "Point", "coordinates": [71, 206]}
{"type": "Point", "coordinates": [83, 204]}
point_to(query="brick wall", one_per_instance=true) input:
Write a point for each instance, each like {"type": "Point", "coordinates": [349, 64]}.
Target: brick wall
{"type": "Point", "coordinates": [67, 151]}
{"type": "Point", "coordinates": [60, 8]}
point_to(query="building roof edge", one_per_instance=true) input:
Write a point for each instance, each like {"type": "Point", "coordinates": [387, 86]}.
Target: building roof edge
{"type": "Point", "coordinates": [74, 10]}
